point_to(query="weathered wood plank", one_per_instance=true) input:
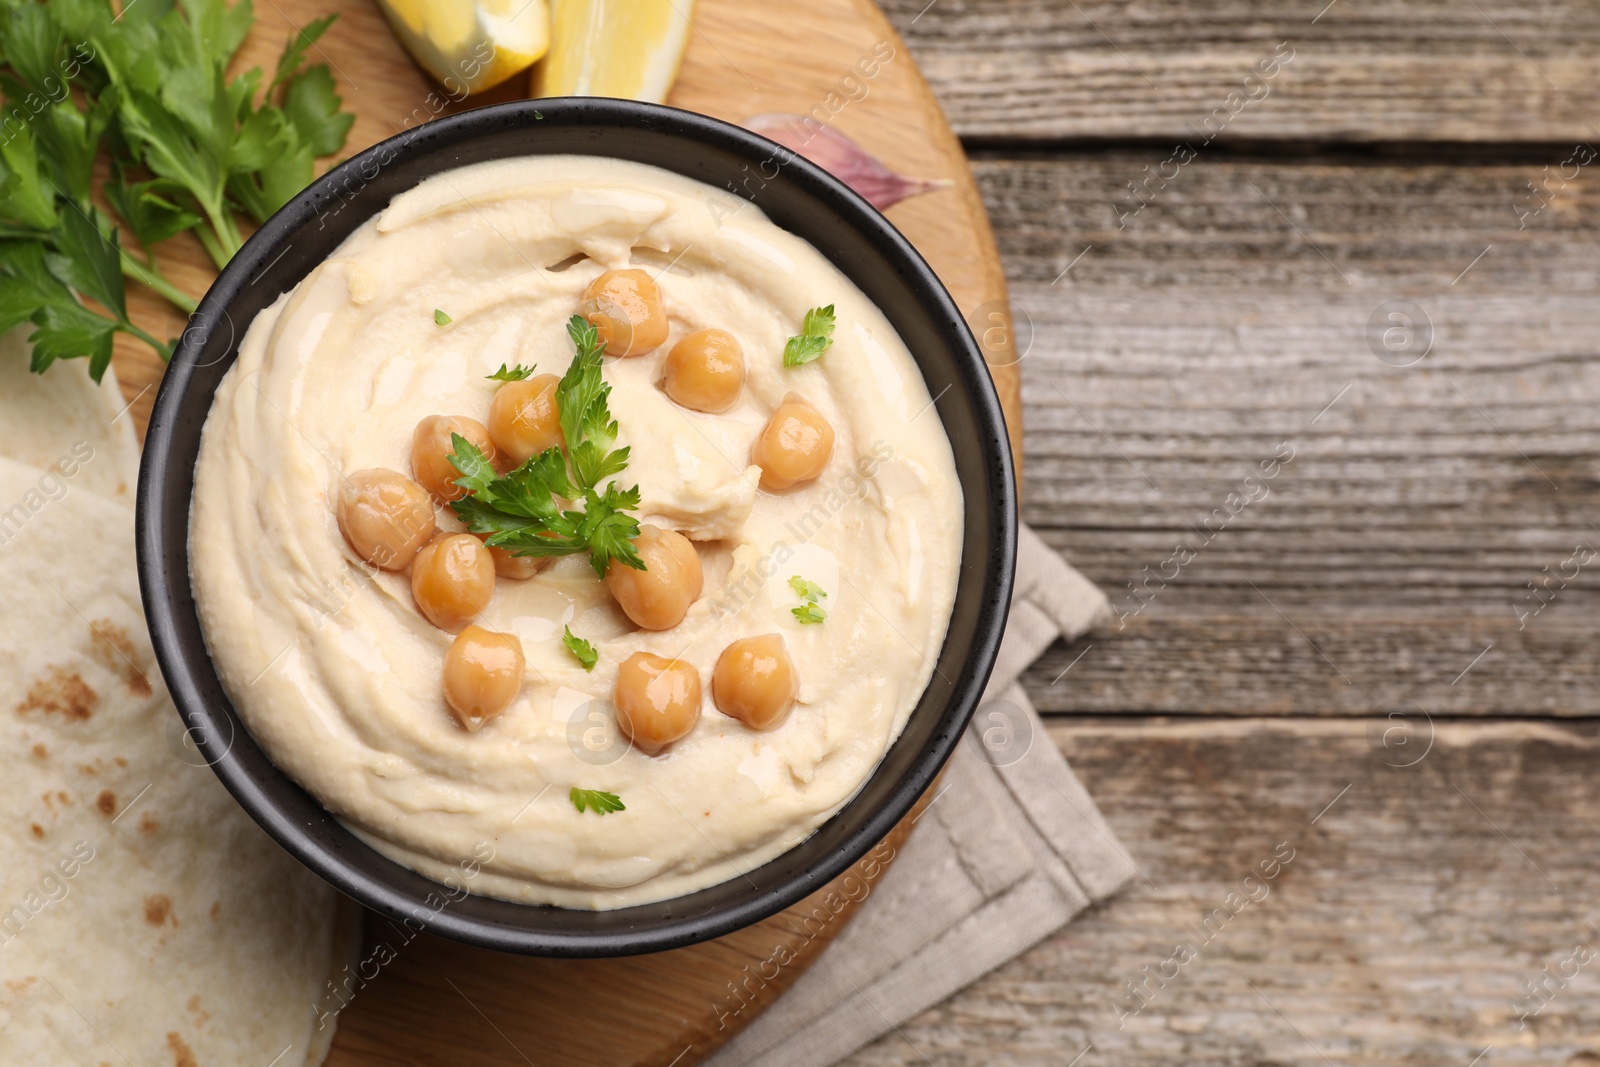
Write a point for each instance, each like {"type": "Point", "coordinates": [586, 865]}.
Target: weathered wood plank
{"type": "Point", "coordinates": [1401, 932]}
{"type": "Point", "coordinates": [1226, 325]}
{"type": "Point", "coordinates": [1043, 69]}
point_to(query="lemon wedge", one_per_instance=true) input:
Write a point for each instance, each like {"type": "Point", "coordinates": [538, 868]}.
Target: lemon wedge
{"type": "Point", "coordinates": [625, 48]}
{"type": "Point", "coordinates": [471, 45]}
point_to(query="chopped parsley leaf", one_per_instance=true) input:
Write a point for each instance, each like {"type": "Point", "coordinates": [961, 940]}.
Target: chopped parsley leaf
{"type": "Point", "coordinates": [581, 650]}
{"type": "Point", "coordinates": [596, 800]}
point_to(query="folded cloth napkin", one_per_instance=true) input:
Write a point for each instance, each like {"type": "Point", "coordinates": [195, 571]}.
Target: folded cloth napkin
{"type": "Point", "coordinates": [1010, 849]}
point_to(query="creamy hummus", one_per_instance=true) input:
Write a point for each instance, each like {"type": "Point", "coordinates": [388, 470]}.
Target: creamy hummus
{"type": "Point", "coordinates": [336, 673]}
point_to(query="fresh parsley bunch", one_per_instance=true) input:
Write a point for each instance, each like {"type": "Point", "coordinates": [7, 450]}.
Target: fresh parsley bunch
{"type": "Point", "coordinates": [187, 147]}
{"type": "Point", "coordinates": [522, 511]}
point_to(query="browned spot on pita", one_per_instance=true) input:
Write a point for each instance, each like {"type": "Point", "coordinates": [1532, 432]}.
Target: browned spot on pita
{"type": "Point", "coordinates": [182, 1054]}
{"type": "Point", "coordinates": [40, 752]}
{"type": "Point", "coordinates": [148, 824]}
{"type": "Point", "coordinates": [60, 692]}
{"type": "Point", "coordinates": [115, 652]}
{"type": "Point", "coordinates": [156, 909]}
{"type": "Point", "coordinates": [194, 1002]}
{"type": "Point", "coordinates": [38, 831]}
{"type": "Point", "coordinates": [61, 795]}
{"type": "Point", "coordinates": [88, 768]}
{"type": "Point", "coordinates": [106, 802]}
{"type": "Point", "coordinates": [21, 986]}
{"type": "Point", "coordinates": [121, 762]}
{"type": "Point", "coordinates": [216, 911]}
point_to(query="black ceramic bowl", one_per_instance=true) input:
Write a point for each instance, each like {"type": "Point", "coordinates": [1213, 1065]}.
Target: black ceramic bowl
{"type": "Point", "coordinates": [797, 196]}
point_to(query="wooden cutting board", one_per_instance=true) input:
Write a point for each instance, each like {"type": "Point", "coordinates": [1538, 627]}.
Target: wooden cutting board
{"type": "Point", "coordinates": [426, 1001]}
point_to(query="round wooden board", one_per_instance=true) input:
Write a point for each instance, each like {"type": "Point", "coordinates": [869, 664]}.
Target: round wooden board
{"type": "Point", "coordinates": [426, 1001]}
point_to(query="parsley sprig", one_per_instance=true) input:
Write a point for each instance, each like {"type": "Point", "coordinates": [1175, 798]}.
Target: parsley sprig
{"type": "Point", "coordinates": [145, 93]}
{"type": "Point", "coordinates": [512, 374]}
{"type": "Point", "coordinates": [586, 422]}
{"type": "Point", "coordinates": [815, 337]}
{"type": "Point", "coordinates": [596, 800]}
{"type": "Point", "coordinates": [521, 511]}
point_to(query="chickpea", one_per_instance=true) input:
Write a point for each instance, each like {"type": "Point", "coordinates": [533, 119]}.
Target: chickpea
{"type": "Point", "coordinates": [705, 371]}
{"type": "Point", "coordinates": [509, 565]}
{"type": "Point", "coordinates": [794, 446]}
{"type": "Point", "coordinates": [523, 419]}
{"type": "Point", "coordinates": [452, 580]}
{"type": "Point", "coordinates": [658, 700]}
{"type": "Point", "coordinates": [431, 447]}
{"type": "Point", "coordinates": [625, 307]}
{"type": "Point", "coordinates": [385, 516]}
{"type": "Point", "coordinates": [754, 682]}
{"type": "Point", "coordinates": [658, 597]}
{"type": "Point", "coordinates": [482, 675]}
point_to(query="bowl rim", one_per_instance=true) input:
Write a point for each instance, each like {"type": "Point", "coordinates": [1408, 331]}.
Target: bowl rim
{"type": "Point", "coordinates": [179, 666]}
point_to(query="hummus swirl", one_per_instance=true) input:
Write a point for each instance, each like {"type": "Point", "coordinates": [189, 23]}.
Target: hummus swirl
{"type": "Point", "coordinates": [336, 673]}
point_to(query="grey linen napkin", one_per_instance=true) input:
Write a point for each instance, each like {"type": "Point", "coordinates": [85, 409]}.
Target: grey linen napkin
{"type": "Point", "coordinates": [1010, 849]}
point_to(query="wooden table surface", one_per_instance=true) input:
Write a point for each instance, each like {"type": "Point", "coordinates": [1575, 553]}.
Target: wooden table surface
{"type": "Point", "coordinates": [1348, 658]}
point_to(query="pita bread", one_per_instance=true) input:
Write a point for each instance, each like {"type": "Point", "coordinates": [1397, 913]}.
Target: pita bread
{"type": "Point", "coordinates": [144, 919]}
{"type": "Point", "coordinates": [63, 413]}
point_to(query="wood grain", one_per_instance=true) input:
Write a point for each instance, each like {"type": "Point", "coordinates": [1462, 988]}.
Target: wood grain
{"type": "Point", "coordinates": [426, 1001]}
{"type": "Point", "coordinates": [1486, 71]}
{"type": "Point", "coordinates": [1182, 350]}
{"type": "Point", "coordinates": [1413, 912]}
{"type": "Point", "coordinates": [1186, 345]}
{"type": "Point", "coordinates": [1216, 322]}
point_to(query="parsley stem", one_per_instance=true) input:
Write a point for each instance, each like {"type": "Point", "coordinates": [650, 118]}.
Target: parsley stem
{"type": "Point", "coordinates": [213, 245]}
{"type": "Point", "coordinates": [162, 350]}
{"type": "Point", "coordinates": [149, 275]}
{"type": "Point", "coordinates": [226, 233]}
